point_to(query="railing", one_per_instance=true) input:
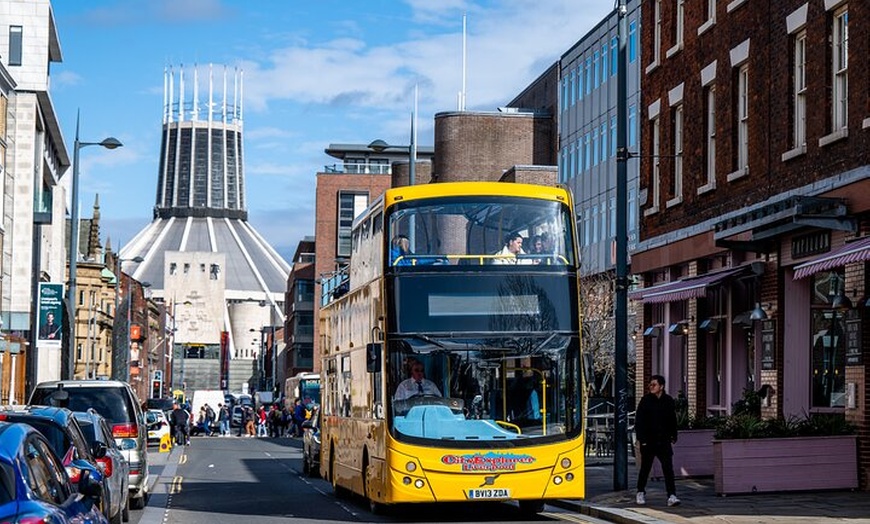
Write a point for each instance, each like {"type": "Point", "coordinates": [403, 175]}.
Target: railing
{"type": "Point", "coordinates": [359, 169]}
{"type": "Point", "coordinates": [334, 285]}
{"type": "Point", "coordinates": [601, 429]}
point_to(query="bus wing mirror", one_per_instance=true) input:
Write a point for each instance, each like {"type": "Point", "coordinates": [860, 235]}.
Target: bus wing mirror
{"type": "Point", "coordinates": [373, 357]}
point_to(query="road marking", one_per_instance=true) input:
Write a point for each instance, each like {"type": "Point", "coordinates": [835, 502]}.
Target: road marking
{"type": "Point", "coordinates": [182, 459]}
{"type": "Point", "coordinates": [176, 485]}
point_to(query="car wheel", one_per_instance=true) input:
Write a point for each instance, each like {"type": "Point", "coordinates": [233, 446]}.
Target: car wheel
{"type": "Point", "coordinates": [306, 467]}
{"type": "Point", "coordinates": [125, 509]}
{"type": "Point", "coordinates": [138, 502]}
{"type": "Point", "coordinates": [116, 518]}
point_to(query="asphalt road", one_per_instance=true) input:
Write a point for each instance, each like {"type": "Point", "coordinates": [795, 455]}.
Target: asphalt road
{"type": "Point", "coordinates": [230, 480]}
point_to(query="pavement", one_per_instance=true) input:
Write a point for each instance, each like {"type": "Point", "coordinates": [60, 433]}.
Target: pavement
{"type": "Point", "coordinates": [701, 505]}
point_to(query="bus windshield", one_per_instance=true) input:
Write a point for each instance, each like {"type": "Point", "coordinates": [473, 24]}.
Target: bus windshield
{"type": "Point", "coordinates": [480, 230]}
{"type": "Point", "coordinates": [480, 392]}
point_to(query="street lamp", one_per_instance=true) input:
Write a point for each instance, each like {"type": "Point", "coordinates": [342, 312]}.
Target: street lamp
{"type": "Point", "coordinates": [108, 143]}
{"type": "Point", "coordinates": [379, 146]}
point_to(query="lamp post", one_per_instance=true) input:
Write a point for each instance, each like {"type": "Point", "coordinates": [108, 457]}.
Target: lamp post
{"type": "Point", "coordinates": [108, 143]}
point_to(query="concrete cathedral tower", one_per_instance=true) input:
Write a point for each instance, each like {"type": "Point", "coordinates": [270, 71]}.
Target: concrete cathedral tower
{"type": "Point", "coordinates": [215, 273]}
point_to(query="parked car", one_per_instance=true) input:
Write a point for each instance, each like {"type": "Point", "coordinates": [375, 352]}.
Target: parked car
{"type": "Point", "coordinates": [311, 444]}
{"type": "Point", "coordinates": [34, 485]}
{"type": "Point", "coordinates": [158, 425]}
{"type": "Point", "coordinates": [118, 403]}
{"type": "Point", "coordinates": [63, 433]}
{"type": "Point", "coordinates": [116, 471]}
{"type": "Point", "coordinates": [236, 416]}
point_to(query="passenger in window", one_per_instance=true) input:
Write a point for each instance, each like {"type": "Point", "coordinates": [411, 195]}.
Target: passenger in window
{"type": "Point", "coordinates": [513, 246]}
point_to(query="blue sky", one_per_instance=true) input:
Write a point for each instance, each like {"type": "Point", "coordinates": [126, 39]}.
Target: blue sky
{"type": "Point", "coordinates": [315, 73]}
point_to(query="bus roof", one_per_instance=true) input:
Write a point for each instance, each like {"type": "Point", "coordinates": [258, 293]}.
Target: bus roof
{"type": "Point", "coordinates": [406, 193]}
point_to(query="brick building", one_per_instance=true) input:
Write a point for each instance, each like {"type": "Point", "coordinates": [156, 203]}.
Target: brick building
{"type": "Point", "coordinates": [755, 206]}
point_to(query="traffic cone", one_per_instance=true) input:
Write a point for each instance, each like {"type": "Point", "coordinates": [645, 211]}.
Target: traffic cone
{"type": "Point", "coordinates": [165, 443]}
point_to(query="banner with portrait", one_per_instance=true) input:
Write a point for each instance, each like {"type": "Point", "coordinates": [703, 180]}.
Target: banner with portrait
{"type": "Point", "coordinates": [50, 314]}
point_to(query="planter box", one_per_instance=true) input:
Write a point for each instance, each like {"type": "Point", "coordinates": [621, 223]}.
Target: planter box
{"type": "Point", "coordinates": [693, 455]}
{"type": "Point", "coordinates": [785, 464]}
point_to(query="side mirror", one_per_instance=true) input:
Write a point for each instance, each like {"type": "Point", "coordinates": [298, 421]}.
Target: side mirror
{"type": "Point", "coordinates": [90, 486]}
{"type": "Point", "coordinates": [373, 357]}
{"type": "Point", "coordinates": [99, 449]}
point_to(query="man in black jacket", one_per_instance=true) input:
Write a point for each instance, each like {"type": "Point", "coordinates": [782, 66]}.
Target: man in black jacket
{"type": "Point", "coordinates": [655, 428]}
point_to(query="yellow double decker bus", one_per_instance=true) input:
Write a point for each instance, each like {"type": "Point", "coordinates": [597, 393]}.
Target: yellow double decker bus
{"type": "Point", "coordinates": [473, 285]}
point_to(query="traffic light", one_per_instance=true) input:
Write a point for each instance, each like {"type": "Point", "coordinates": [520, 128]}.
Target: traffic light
{"type": "Point", "coordinates": [155, 389]}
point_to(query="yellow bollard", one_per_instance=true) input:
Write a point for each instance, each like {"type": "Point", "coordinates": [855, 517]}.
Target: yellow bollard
{"type": "Point", "coordinates": [166, 443]}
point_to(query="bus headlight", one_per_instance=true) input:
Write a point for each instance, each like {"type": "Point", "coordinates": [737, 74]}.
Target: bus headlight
{"type": "Point", "coordinates": [406, 480]}
{"type": "Point", "coordinates": [418, 483]}
{"type": "Point", "coordinates": [411, 467]}
{"type": "Point", "coordinates": [566, 463]}
{"type": "Point", "coordinates": [569, 477]}
{"type": "Point", "coordinates": [557, 480]}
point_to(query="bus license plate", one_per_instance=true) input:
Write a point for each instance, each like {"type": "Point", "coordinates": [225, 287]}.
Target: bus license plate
{"type": "Point", "coordinates": [490, 493]}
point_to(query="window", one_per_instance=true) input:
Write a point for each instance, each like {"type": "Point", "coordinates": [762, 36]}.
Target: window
{"type": "Point", "coordinates": [656, 174]}
{"type": "Point", "coordinates": [350, 205]}
{"type": "Point", "coordinates": [614, 55]}
{"type": "Point", "coordinates": [840, 69]}
{"type": "Point", "coordinates": [597, 61]}
{"type": "Point", "coordinates": [588, 77]}
{"type": "Point", "coordinates": [743, 118]}
{"type": "Point", "coordinates": [710, 142]}
{"type": "Point", "coordinates": [603, 141]}
{"type": "Point", "coordinates": [828, 371]}
{"type": "Point", "coordinates": [572, 171]}
{"type": "Point", "coordinates": [587, 153]}
{"type": "Point", "coordinates": [563, 166]}
{"type": "Point", "coordinates": [632, 41]}
{"type": "Point", "coordinates": [677, 118]}
{"type": "Point", "coordinates": [565, 93]}
{"type": "Point", "coordinates": [613, 136]}
{"type": "Point", "coordinates": [799, 70]}
{"type": "Point", "coordinates": [632, 125]}
{"type": "Point", "coordinates": [16, 45]}
{"type": "Point", "coordinates": [573, 92]}
{"type": "Point", "coordinates": [594, 148]}
{"type": "Point", "coordinates": [578, 86]}
{"type": "Point", "coordinates": [604, 63]}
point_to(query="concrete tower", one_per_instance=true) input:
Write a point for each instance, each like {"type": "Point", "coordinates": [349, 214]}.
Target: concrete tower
{"type": "Point", "coordinates": [200, 256]}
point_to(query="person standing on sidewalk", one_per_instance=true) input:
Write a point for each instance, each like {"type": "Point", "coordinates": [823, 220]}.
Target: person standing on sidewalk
{"type": "Point", "coordinates": [224, 420]}
{"type": "Point", "coordinates": [655, 427]}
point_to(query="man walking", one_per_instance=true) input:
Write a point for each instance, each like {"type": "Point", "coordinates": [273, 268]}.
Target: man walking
{"type": "Point", "coordinates": [655, 427]}
{"type": "Point", "coordinates": [224, 419]}
{"type": "Point", "coordinates": [178, 420]}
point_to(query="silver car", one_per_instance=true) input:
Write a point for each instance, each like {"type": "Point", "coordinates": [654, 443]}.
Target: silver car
{"type": "Point", "coordinates": [118, 403]}
{"type": "Point", "coordinates": [113, 464]}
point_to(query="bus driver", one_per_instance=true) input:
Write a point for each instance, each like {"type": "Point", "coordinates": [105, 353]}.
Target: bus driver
{"type": "Point", "coordinates": [417, 384]}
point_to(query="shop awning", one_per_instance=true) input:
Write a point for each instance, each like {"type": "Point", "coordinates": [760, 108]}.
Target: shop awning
{"type": "Point", "coordinates": [857, 251]}
{"type": "Point", "coordinates": [690, 287]}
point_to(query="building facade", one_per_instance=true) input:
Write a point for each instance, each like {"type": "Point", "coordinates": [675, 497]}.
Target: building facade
{"type": "Point", "coordinates": [299, 328]}
{"type": "Point", "coordinates": [755, 228]}
{"type": "Point", "coordinates": [34, 200]}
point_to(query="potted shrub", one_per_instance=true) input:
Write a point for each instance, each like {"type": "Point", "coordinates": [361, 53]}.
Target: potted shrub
{"type": "Point", "coordinates": [751, 454]}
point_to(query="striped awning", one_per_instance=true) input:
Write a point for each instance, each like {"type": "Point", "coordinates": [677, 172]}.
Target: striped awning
{"type": "Point", "coordinates": [686, 288]}
{"type": "Point", "coordinates": [857, 251]}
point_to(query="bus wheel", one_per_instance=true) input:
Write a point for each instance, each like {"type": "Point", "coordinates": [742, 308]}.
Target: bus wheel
{"type": "Point", "coordinates": [376, 508]}
{"type": "Point", "coordinates": [531, 507]}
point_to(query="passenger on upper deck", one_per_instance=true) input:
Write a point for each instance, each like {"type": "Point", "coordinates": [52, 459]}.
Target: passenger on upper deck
{"type": "Point", "coordinates": [513, 246]}
{"type": "Point", "coordinates": [400, 250]}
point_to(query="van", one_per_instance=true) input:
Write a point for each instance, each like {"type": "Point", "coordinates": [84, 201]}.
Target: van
{"type": "Point", "coordinates": [118, 404]}
{"type": "Point", "coordinates": [201, 397]}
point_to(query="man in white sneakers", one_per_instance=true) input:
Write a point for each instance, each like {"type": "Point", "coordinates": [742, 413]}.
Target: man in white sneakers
{"type": "Point", "coordinates": [655, 427]}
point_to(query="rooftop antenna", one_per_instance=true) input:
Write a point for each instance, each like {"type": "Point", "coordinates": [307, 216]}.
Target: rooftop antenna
{"type": "Point", "coordinates": [464, 65]}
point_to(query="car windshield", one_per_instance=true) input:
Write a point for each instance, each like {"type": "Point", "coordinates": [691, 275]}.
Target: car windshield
{"type": "Point", "coordinates": [110, 402]}
{"type": "Point", "coordinates": [478, 392]}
